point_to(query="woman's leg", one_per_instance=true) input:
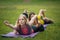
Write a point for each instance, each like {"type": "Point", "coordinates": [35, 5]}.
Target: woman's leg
{"type": "Point", "coordinates": [47, 21]}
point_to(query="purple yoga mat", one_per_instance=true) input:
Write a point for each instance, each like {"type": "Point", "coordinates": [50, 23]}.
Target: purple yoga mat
{"type": "Point", "coordinates": [11, 34]}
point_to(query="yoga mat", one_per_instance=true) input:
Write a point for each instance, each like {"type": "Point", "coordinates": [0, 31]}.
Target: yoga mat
{"type": "Point", "coordinates": [11, 34]}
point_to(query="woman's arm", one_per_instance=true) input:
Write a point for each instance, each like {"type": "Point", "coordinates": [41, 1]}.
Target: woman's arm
{"type": "Point", "coordinates": [32, 20]}
{"type": "Point", "coordinates": [8, 24]}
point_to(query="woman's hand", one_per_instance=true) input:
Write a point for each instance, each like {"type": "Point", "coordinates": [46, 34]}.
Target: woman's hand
{"type": "Point", "coordinates": [6, 22]}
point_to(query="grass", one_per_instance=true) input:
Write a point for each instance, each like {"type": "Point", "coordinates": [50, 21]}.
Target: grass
{"type": "Point", "coordinates": [11, 10]}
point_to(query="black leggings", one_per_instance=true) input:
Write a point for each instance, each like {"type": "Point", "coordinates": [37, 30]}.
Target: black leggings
{"type": "Point", "coordinates": [39, 29]}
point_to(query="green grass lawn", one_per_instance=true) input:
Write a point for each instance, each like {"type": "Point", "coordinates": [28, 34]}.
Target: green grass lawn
{"type": "Point", "coordinates": [11, 10]}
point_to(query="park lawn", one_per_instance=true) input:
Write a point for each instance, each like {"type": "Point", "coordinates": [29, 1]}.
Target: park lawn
{"type": "Point", "coordinates": [10, 11]}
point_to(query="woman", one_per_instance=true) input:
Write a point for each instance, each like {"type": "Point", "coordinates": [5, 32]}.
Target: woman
{"type": "Point", "coordinates": [40, 20]}
{"type": "Point", "coordinates": [22, 27]}
{"type": "Point", "coordinates": [36, 25]}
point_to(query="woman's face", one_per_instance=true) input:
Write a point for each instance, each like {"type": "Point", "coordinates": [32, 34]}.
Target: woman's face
{"type": "Point", "coordinates": [22, 21]}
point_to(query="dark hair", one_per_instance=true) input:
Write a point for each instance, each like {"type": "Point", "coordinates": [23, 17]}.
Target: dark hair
{"type": "Point", "coordinates": [25, 15]}
{"type": "Point", "coordinates": [30, 15]}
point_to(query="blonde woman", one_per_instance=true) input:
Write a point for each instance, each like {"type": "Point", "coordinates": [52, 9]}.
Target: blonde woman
{"type": "Point", "coordinates": [22, 26]}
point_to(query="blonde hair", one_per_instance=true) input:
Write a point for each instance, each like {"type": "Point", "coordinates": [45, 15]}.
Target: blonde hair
{"type": "Point", "coordinates": [17, 23]}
